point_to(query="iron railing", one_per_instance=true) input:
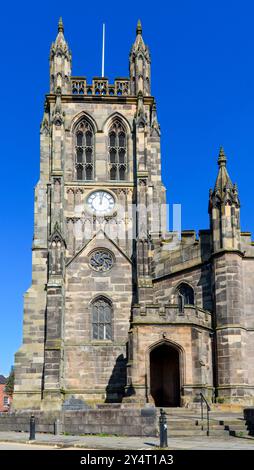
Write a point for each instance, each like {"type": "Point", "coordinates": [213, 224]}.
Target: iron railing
{"type": "Point", "coordinates": [203, 402]}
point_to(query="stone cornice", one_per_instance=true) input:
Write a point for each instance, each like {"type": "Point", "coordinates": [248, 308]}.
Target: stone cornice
{"type": "Point", "coordinates": [51, 98]}
{"type": "Point", "coordinates": [93, 343]}
{"type": "Point", "coordinates": [99, 184]}
{"type": "Point", "coordinates": [171, 306]}
{"type": "Point", "coordinates": [39, 248]}
{"type": "Point", "coordinates": [225, 251]}
{"type": "Point", "coordinates": [57, 173]}
{"type": "Point", "coordinates": [233, 326]}
{"type": "Point", "coordinates": [170, 323]}
{"type": "Point", "coordinates": [89, 391]}
{"type": "Point", "coordinates": [230, 386]}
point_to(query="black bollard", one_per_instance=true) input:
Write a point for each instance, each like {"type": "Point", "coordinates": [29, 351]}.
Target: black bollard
{"type": "Point", "coordinates": [32, 428]}
{"type": "Point", "coordinates": [57, 427]}
{"type": "Point", "coordinates": [163, 429]}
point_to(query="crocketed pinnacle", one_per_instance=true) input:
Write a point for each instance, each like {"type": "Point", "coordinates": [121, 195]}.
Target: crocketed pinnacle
{"type": "Point", "coordinates": [222, 160]}
{"type": "Point", "coordinates": [60, 25]}
{"type": "Point", "coordinates": [139, 28]}
{"type": "Point", "coordinates": [223, 180]}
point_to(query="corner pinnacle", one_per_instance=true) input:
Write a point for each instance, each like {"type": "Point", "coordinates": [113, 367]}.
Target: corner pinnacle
{"type": "Point", "coordinates": [139, 28]}
{"type": "Point", "coordinates": [222, 160]}
{"type": "Point", "coordinates": [60, 25]}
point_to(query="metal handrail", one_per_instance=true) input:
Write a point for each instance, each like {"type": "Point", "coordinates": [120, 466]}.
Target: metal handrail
{"type": "Point", "coordinates": [208, 409]}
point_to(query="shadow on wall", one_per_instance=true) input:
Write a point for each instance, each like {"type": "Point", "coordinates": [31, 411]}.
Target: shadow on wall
{"type": "Point", "coordinates": [115, 389]}
{"type": "Point", "coordinates": [205, 280]}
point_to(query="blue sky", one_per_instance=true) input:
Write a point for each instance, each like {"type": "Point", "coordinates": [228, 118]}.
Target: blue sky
{"type": "Point", "coordinates": [203, 80]}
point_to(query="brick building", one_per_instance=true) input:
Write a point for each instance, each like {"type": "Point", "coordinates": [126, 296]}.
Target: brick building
{"type": "Point", "coordinates": [5, 399]}
{"type": "Point", "coordinates": [119, 309]}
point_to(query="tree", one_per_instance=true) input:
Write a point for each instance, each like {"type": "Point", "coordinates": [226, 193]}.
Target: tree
{"type": "Point", "coordinates": [9, 387]}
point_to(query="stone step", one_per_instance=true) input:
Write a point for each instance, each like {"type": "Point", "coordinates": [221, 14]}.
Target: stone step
{"type": "Point", "coordinates": [182, 415]}
{"type": "Point", "coordinates": [226, 426]}
{"type": "Point", "coordinates": [195, 432]}
{"type": "Point", "coordinates": [178, 410]}
{"type": "Point", "coordinates": [186, 422]}
{"type": "Point", "coordinates": [232, 422]}
{"type": "Point", "coordinates": [182, 426]}
{"type": "Point", "coordinates": [236, 427]}
{"type": "Point", "coordinates": [193, 427]}
{"type": "Point", "coordinates": [184, 433]}
{"type": "Point", "coordinates": [217, 433]}
{"type": "Point", "coordinates": [215, 427]}
{"type": "Point", "coordinates": [242, 434]}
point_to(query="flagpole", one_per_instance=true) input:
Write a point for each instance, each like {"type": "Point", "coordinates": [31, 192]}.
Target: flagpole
{"type": "Point", "coordinates": [103, 49]}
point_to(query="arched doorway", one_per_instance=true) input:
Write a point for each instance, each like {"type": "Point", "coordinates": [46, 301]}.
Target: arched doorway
{"type": "Point", "coordinates": [165, 375]}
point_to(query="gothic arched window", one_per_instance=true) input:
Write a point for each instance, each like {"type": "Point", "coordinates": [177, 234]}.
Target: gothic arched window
{"type": "Point", "coordinates": [185, 295]}
{"type": "Point", "coordinates": [101, 319]}
{"type": "Point", "coordinates": [117, 152]}
{"type": "Point", "coordinates": [56, 254]}
{"type": "Point", "coordinates": [113, 173]}
{"type": "Point", "coordinates": [84, 149]}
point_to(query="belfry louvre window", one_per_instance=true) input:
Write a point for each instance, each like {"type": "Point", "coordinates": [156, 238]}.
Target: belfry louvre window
{"type": "Point", "coordinates": [117, 152]}
{"type": "Point", "coordinates": [102, 319]}
{"type": "Point", "coordinates": [84, 148]}
{"type": "Point", "coordinates": [185, 296]}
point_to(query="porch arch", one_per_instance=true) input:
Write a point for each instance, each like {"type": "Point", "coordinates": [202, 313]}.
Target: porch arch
{"type": "Point", "coordinates": [166, 373]}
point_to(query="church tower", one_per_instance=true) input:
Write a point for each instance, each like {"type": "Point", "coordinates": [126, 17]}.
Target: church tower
{"type": "Point", "coordinates": [100, 157]}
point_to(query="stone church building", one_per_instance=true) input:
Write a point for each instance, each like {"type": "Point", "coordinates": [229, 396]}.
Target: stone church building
{"type": "Point", "coordinates": [120, 309]}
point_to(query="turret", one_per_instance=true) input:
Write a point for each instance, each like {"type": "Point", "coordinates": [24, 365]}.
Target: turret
{"type": "Point", "coordinates": [224, 210]}
{"type": "Point", "coordinates": [140, 63]}
{"type": "Point", "coordinates": [60, 62]}
{"type": "Point", "coordinates": [231, 375]}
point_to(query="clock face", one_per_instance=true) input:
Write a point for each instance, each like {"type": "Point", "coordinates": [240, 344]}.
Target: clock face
{"type": "Point", "coordinates": [101, 202]}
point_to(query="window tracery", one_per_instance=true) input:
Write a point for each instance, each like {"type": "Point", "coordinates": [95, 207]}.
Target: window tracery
{"type": "Point", "coordinates": [117, 152]}
{"type": "Point", "coordinates": [84, 149]}
{"type": "Point", "coordinates": [102, 319]}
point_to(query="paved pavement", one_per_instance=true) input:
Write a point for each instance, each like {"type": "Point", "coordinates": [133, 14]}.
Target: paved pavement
{"type": "Point", "coordinates": [48, 441]}
{"type": "Point", "coordinates": [14, 446]}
